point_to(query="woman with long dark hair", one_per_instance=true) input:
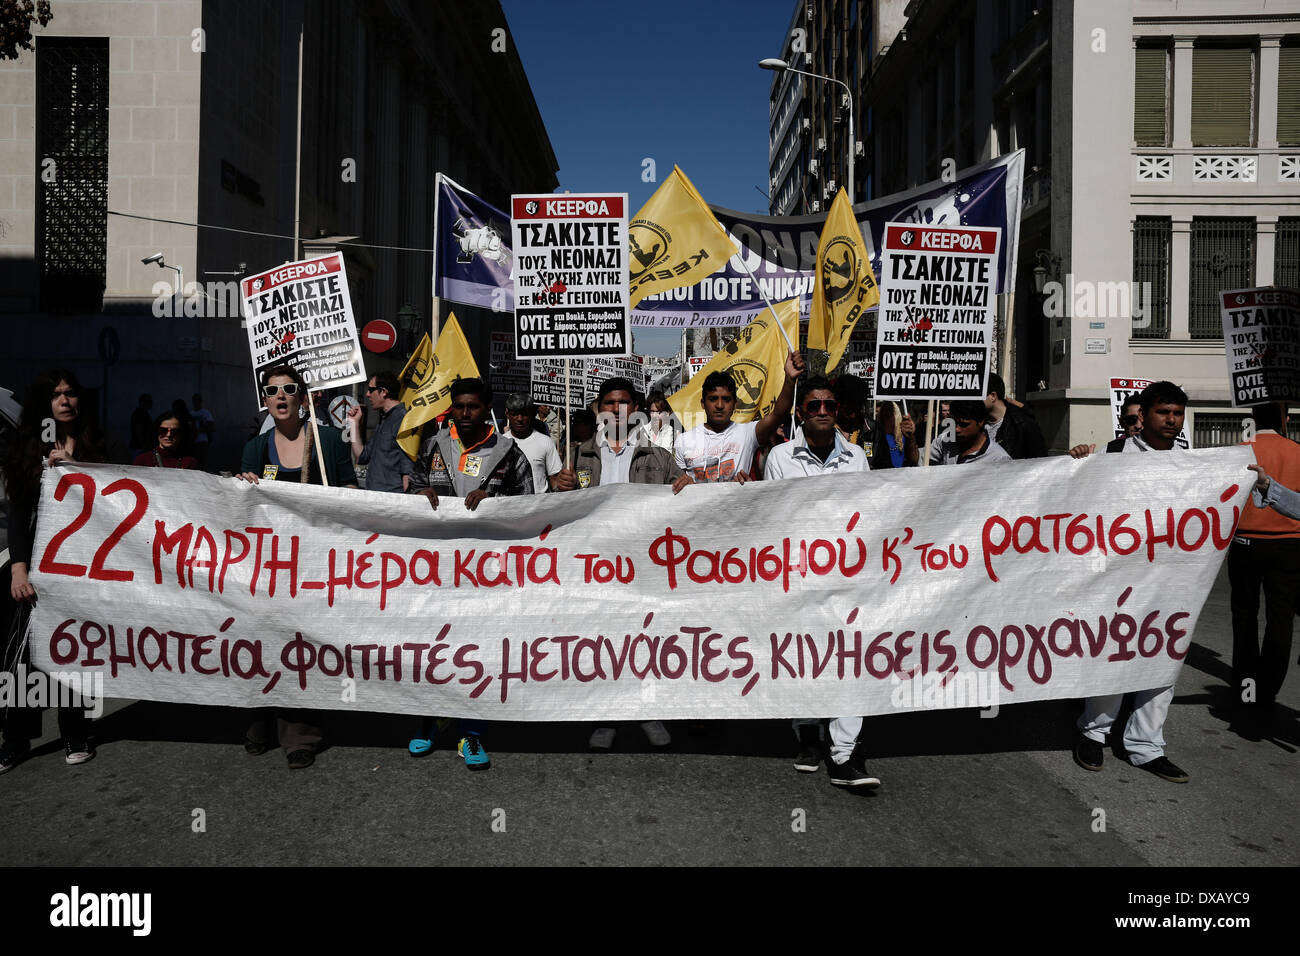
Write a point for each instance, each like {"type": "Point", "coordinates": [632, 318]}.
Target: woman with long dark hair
{"type": "Point", "coordinates": [895, 444]}
{"type": "Point", "coordinates": [51, 430]}
{"type": "Point", "coordinates": [172, 447]}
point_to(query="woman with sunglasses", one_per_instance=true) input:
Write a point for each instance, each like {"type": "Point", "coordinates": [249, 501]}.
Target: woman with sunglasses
{"type": "Point", "coordinates": [55, 397]}
{"type": "Point", "coordinates": [172, 448]}
{"type": "Point", "coordinates": [285, 453]}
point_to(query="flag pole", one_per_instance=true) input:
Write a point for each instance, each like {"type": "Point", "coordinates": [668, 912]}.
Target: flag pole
{"type": "Point", "coordinates": [931, 411]}
{"type": "Point", "coordinates": [771, 308]}
{"type": "Point", "coordinates": [568, 417]}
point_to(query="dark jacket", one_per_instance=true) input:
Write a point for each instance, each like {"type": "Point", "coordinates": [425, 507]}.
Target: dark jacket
{"type": "Point", "coordinates": [503, 469]}
{"type": "Point", "coordinates": [651, 465]}
{"type": "Point", "coordinates": [338, 456]}
{"type": "Point", "coordinates": [1019, 435]}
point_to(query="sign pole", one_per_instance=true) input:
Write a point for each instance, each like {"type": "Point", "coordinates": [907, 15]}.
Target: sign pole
{"type": "Point", "coordinates": [931, 411]}
{"type": "Point", "coordinates": [568, 417]}
{"type": "Point", "coordinates": [315, 436]}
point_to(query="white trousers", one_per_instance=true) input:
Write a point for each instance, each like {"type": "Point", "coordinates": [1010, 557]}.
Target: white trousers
{"type": "Point", "coordinates": [1144, 737]}
{"type": "Point", "coordinates": [844, 734]}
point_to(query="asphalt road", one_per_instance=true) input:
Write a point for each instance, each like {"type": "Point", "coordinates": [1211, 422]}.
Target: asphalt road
{"type": "Point", "coordinates": [958, 789]}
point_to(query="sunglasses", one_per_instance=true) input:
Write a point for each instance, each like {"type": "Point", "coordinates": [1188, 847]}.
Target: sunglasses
{"type": "Point", "coordinates": [271, 390]}
{"type": "Point", "coordinates": [817, 405]}
{"type": "Point", "coordinates": [369, 389]}
{"type": "Point", "coordinates": [169, 431]}
{"type": "Point", "coordinates": [1129, 420]}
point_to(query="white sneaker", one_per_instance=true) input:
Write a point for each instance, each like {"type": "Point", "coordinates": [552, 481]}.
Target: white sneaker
{"type": "Point", "coordinates": [602, 739]}
{"type": "Point", "coordinates": [656, 733]}
{"type": "Point", "coordinates": [78, 752]}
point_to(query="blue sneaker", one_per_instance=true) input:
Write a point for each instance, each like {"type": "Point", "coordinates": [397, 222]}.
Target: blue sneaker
{"type": "Point", "coordinates": [422, 743]}
{"type": "Point", "coordinates": [471, 748]}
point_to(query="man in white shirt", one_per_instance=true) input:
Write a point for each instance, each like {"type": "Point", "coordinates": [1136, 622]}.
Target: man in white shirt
{"type": "Point", "coordinates": [1164, 407]}
{"type": "Point", "coordinates": [537, 446]}
{"type": "Point", "coordinates": [723, 450]}
{"type": "Point", "coordinates": [819, 449]}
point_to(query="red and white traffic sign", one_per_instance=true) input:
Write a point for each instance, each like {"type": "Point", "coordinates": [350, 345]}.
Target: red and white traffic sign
{"type": "Point", "coordinates": [379, 335]}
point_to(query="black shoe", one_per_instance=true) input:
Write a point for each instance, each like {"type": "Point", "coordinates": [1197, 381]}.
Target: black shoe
{"type": "Point", "coordinates": [12, 754]}
{"type": "Point", "coordinates": [255, 749]}
{"type": "Point", "coordinates": [1088, 753]}
{"type": "Point", "coordinates": [78, 751]}
{"type": "Point", "coordinates": [1165, 769]}
{"type": "Point", "coordinates": [810, 750]}
{"type": "Point", "coordinates": [301, 759]}
{"type": "Point", "coordinates": [851, 773]}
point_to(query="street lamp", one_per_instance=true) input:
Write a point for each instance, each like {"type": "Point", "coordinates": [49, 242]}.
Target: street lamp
{"type": "Point", "coordinates": [778, 65]}
{"type": "Point", "coordinates": [1049, 266]}
{"type": "Point", "coordinates": [157, 259]}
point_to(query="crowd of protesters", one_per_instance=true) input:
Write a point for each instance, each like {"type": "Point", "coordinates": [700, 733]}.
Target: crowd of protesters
{"type": "Point", "coordinates": [464, 455]}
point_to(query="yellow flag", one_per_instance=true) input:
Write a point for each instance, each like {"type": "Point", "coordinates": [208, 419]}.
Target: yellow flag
{"type": "Point", "coordinates": [426, 381]}
{"type": "Point", "coordinates": [674, 240]}
{"type": "Point", "coordinates": [756, 360]}
{"type": "Point", "coordinates": [845, 287]}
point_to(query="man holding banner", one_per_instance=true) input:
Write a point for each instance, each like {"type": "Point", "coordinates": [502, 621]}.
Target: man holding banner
{"type": "Point", "coordinates": [467, 460]}
{"type": "Point", "coordinates": [721, 449]}
{"type": "Point", "coordinates": [1164, 405]}
{"type": "Point", "coordinates": [819, 449]}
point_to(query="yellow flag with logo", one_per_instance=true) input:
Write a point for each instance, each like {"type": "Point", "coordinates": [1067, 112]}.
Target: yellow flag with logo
{"type": "Point", "coordinates": [426, 381]}
{"type": "Point", "coordinates": [845, 287]}
{"type": "Point", "coordinates": [674, 240]}
{"type": "Point", "coordinates": [756, 360]}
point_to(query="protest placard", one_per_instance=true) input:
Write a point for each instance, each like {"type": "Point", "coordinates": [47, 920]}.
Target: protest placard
{"type": "Point", "coordinates": [936, 322]}
{"type": "Point", "coordinates": [506, 373]}
{"type": "Point", "coordinates": [586, 376]}
{"type": "Point", "coordinates": [822, 595]}
{"type": "Point", "coordinates": [301, 313]}
{"type": "Point", "coordinates": [1122, 388]}
{"type": "Point", "coordinates": [1261, 339]}
{"type": "Point", "coordinates": [571, 276]}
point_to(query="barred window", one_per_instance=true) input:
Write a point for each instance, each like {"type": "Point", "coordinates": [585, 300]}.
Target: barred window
{"type": "Point", "coordinates": [1286, 253]}
{"type": "Point", "coordinates": [1222, 429]}
{"type": "Point", "coordinates": [72, 171]}
{"type": "Point", "coordinates": [1151, 99]}
{"type": "Point", "coordinates": [1223, 257]}
{"type": "Point", "coordinates": [1151, 250]}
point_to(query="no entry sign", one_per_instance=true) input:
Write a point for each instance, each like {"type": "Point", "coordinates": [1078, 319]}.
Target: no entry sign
{"type": "Point", "coordinates": [570, 276]}
{"type": "Point", "coordinates": [379, 335]}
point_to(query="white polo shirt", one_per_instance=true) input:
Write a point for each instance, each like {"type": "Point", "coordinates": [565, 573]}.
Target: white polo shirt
{"type": "Point", "coordinates": [795, 460]}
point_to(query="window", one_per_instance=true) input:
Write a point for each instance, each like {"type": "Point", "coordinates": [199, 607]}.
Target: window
{"type": "Point", "coordinates": [1288, 95]}
{"type": "Point", "coordinates": [72, 172]}
{"type": "Point", "coordinates": [1223, 257]}
{"type": "Point", "coordinates": [1221, 430]}
{"type": "Point", "coordinates": [1151, 249]}
{"type": "Point", "coordinates": [1223, 96]}
{"type": "Point", "coordinates": [1151, 97]}
{"type": "Point", "coordinates": [1286, 252]}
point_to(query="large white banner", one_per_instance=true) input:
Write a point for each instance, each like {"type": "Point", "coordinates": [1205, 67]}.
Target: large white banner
{"type": "Point", "coordinates": [843, 594]}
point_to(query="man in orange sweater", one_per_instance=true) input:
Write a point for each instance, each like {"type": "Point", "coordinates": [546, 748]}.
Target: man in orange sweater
{"type": "Point", "coordinates": [1265, 553]}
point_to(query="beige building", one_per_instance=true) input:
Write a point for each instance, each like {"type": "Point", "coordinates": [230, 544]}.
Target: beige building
{"type": "Point", "coordinates": [133, 121]}
{"type": "Point", "coordinates": [1162, 164]}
